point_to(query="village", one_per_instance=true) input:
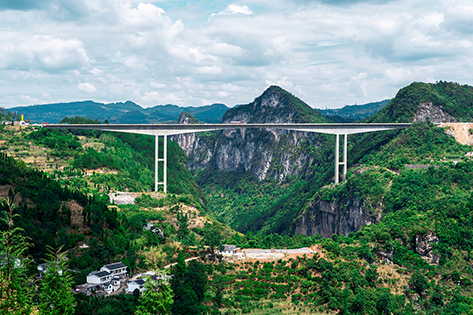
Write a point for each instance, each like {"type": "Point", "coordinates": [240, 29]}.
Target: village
{"type": "Point", "coordinates": [115, 279]}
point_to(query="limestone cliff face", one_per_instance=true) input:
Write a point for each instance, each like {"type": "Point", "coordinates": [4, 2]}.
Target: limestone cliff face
{"type": "Point", "coordinates": [266, 153]}
{"type": "Point", "coordinates": [339, 217]}
{"type": "Point", "coordinates": [434, 113]}
{"type": "Point", "coordinates": [197, 147]}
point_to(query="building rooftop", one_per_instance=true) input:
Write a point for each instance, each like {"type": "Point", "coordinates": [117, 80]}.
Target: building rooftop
{"type": "Point", "coordinates": [139, 281]}
{"type": "Point", "coordinates": [229, 248]}
{"type": "Point", "coordinates": [118, 265]}
{"type": "Point", "coordinates": [100, 274]}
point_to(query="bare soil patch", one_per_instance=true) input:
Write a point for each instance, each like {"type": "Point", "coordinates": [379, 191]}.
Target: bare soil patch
{"type": "Point", "coordinates": [461, 132]}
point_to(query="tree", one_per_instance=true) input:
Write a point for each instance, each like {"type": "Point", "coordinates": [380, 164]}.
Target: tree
{"type": "Point", "coordinates": [55, 288]}
{"type": "Point", "coordinates": [372, 275]}
{"type": "Point", "coordinates": [212, 236]}
{"type": "Point", "coordinates": [189, 284]}
{"type": "Point", "coordinates": [183, 226]}
{"type": "Point", "coordinates": [154, 257]}
{"type": "Point", "coordinates": [437, 296]}
{"type": "Point", "coordinates": [419, 282]}
{"type": "Point", "coordinates": [384, 304]}
{"type": "Point", "coordinates": [358, 305]}
{"type": "Point", "coordinates": [158, 295]}
{"type": "Point", "coordinates": [16, 289]}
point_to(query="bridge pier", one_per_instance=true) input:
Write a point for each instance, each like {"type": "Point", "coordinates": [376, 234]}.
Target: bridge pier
{"type": "Point", "coordinates": [174, 129]}
{"type": "Point", "coordinates": [337, 157]}
{"type": "Point", "coordinates": [165, 163]}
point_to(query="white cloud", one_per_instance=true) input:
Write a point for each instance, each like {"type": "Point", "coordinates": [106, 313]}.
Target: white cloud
{"type": "Point", "coordinates": [28, 99]}
{"type": "Point", "coordinates": [328, 55]}
{"type": "Point", "coordinates": [134, 63]}
{"type": "Point", "coordinates": [358, 85]}
{"type": "Point", "coordinates": [155, 98]}
{"type": "Point", "coordinates": [97, 72]}
{"type": "Point", "coordinates": [406, 75]}
{"type": "Point", "coordinates": [42, 52]}
{"type": "Point", "coordinates": [234, 9]}
{"type": "Point", "coordinates": [209, 70]}
{"type": "Point", "coordinates": [156, 85]}
{"type": "Point", "coordinates": [144, 15]}
{"type": "Point", "coordinates": [86, 88]}
{"type": "Point", "coordinates": [282, 82]}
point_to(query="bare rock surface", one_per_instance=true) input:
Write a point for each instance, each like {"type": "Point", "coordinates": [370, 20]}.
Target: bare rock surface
{"type": "Point", "coordinates": [334, 217]}
{"type": "Point", "coordinates": [198, 151]}
{"type": "Point", "coordinates": [461, 132]}
{"type": "Point", "coordinates": [434, 113]}
{"type": "Point", "coordinates": [267, 153]}
{"type": "Point", "coordinates": [424, 247]}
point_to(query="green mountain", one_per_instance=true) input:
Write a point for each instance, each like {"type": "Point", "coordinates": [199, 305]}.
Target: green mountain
{"type": "Point", "coordinates": [121, 113]}
{"type": "Point", "coordinates": [397, 236]}
{"type": "Point", "coordinates": [354, 112]}
{"type": "Point", "coordinates": [442, 99]}
{"type": "Point", "coordinates": [244, 173]}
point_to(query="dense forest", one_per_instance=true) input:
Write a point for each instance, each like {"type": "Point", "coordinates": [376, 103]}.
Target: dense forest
{"type": "Point", "coordinates": [415, 257]}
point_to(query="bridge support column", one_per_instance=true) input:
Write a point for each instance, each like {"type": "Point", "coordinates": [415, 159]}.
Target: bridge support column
{"type": "Point", "coordinates": [345, 141]}
{"type": "Point", "coordinates": [337, 157]}
{"type": "Point", "coordinates": [156, 164]}
{"type": "Point", "coordinates": [165, 171]}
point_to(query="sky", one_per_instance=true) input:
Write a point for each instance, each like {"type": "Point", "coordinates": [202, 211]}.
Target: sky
{"type": "Point", "coordinates": [329, 53]}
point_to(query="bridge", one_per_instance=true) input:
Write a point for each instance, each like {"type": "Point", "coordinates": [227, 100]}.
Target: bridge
{"type": "Point", "coordinates": [165, 130]}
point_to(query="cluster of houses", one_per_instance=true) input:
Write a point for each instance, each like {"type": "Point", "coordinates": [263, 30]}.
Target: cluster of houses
{"type": "Point", "coordinates": [110, 279]}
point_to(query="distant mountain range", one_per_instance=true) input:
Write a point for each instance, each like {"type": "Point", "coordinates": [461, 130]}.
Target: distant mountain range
{"type": "Point", "coordinates": [354, 112]}
{"type": "Point", "coordinates": [132, 113]}
{"type": "Point", "coordinates": [119, 113]}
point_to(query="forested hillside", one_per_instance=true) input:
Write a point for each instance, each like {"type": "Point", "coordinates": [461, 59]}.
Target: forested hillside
{"type": "Point", "coordinates": [120, 113]}
{"type": "Point", "coordinates": [394, 238]}
{"type": "Point", "coordinates": [60, 208]}
{"type": "Point", "coordinates": [414, 189]}
{"type": "Point", "coordinates": [352, 113]}
{"type": "Point", "coordinates": [247, 172]}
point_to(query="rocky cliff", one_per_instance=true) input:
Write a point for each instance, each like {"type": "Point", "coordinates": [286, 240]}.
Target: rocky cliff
{"type": "Point", "coordinates": [266, 153]}
{"type": "Point", "coordinates": [434, 113]}
{"type": "Point", "coordinates": [340, 217]}
{"type": "Point", "coordinates": [198, 147]}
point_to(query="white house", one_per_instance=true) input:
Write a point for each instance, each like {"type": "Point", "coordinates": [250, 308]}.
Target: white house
{"type": "Point", "coordinates": [136, 284]}
{"type": "Point", "coordinates": [228, 250]}
{"type": "Point", "coordinates": [99, 278]}
{"type": "Point", "coordinates": [117, 269]}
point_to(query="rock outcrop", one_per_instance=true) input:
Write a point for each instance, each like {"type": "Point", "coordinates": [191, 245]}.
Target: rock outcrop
{"type": "Point", "coordinates": [434, 113]}
{"type": "Point", "coordinates": [267, 153]}
{"type": "Point", "coordinates": [334, 217]}
{"type": "Point", "coordinates": [425, 248]}
{"type": "Point", "coordinates": [197, 147]}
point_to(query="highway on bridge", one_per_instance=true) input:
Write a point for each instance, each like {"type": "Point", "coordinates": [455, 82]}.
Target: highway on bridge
{"type": "Point", "coordinates": [165, 130]}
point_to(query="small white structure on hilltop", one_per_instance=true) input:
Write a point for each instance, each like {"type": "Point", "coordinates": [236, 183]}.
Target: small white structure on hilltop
{"type": "Point", "coordinates": [228, 250]}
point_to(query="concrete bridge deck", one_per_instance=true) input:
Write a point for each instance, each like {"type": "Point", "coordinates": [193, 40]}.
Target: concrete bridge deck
{"type": "Point", "coordinates": [174, 129]}
{"type": "Point", "coordinates": [165, 130]}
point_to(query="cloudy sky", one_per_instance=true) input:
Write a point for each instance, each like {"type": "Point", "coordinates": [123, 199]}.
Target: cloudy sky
{"type": "Point", "coordinates": [327, 52]}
